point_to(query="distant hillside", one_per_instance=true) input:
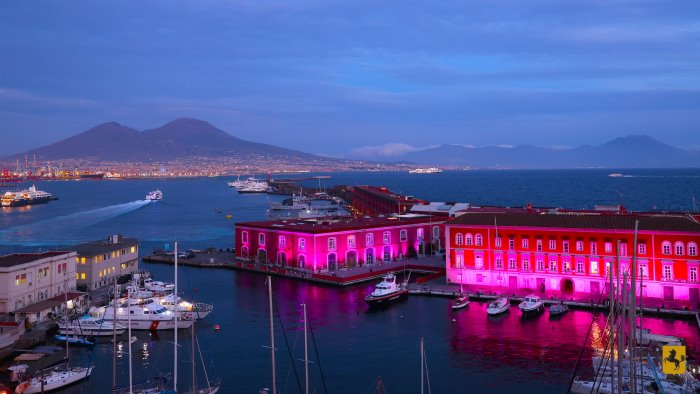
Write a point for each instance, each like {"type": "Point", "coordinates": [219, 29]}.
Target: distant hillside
{"type": "Point", "coordinates": [177, 139]}
{"type": "Point", "coordinates": [634, 151]}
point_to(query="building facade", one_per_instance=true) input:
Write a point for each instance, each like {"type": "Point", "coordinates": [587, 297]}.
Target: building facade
{"type": "Point", "coordinates": [30, 278]}
{"type": "Point", "coordinates": [572, 252]}
{"type": "Point", "coordinates": [326, 246]}
{"type": "Point", "coordinates": [99, 262]}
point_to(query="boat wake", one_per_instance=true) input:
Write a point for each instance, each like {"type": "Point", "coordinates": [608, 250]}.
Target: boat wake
{"type": "Point", "coordinates": [59, 230]}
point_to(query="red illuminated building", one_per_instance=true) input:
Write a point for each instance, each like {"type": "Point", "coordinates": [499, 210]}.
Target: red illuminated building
{"type": "Point", "coordinates": [572, 251]}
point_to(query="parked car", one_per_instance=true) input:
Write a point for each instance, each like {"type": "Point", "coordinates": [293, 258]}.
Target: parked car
{"type": "Point", "coordinates": [188, 254]}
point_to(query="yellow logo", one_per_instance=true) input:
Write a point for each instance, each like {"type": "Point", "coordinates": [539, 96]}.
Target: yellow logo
{"type": "Point", "coordinates": [674, 361]}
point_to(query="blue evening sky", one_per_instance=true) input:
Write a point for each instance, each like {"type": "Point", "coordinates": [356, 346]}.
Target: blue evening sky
{"type": "Point", "coordinates": [364, 76]}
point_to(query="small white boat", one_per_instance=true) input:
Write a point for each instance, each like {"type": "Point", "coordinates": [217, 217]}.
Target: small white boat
{"type": "Point", "coordinates": [386, 291]}
{"type": "Point", "coordinates": [144, 316]}
{"type": "Point", "coordinates": [615, 175]}
{"type": "Point", "coordinates": [461, 300]}
{"type": "Point", "coordinates": [157, 286]}
{"type": "Point", "coordinates": [556, 310]}
{"type": "Point", "coordinates": [532, 304]}
{"type": "Point", "coordinates": [185, 309]}
{"type": "Point", "coordinates": [90, 326]}
{"type": "Point", "coordinates": [155, 195]}
{"type": "Point", "coordinates": [498, 306]}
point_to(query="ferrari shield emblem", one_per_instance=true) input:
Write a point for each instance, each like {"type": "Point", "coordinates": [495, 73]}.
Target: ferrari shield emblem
{"type": "Point", "coordinates": [674, 361]}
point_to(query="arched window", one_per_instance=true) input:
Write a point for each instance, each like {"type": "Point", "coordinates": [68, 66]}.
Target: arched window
{"type": "Point", "coordinates": [244, 237]}
{"type": "Point", "coordinates": [301, 260]}
{"type": "Point", "coordinates": [666, 247]}
{"type": "Point", "coordinates": [679, 248]}
{"type": "Point", "coordinates": [479, 240]}
{"type": "Point", "coordinates": [692, 249]}
{"type": "Point", "coordinates": [261, 239]}
{"type": "Point", "coordinates": [459, 239]}
{"type": "Point", "coordinates": [469, 240]}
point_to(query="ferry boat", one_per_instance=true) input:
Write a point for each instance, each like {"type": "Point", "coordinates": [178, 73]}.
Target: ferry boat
{"type": "Point", "coordinates": [154, 195]}
{"type": "Point", "coordinates": [256, 187]}
{"type": "Point", "coordinates": [615, 175]}
{"type": "Point", "coordinates": [430, 170]}
{"type": "Point", "coordinates": [25, 197]}
{"type": "Point", "coordinates": [90, 326]}
{"type": "Point", "coordinates": [498, 306]}
{"type": "Point", "coordinates": [386, 291]}
{"type": "Point", "coordinates": [531, 305]}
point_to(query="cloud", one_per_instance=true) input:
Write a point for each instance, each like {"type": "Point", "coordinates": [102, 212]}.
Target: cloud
{"type": "Point", "coordinates": [390, 150]}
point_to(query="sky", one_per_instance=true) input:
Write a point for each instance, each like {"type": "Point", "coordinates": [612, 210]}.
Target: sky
{"type": "Point", "coordinates": [355, 78]}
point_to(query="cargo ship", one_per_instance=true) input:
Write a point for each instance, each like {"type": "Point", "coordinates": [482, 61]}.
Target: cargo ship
{"type": "Point", "coordinates": [25, 197]}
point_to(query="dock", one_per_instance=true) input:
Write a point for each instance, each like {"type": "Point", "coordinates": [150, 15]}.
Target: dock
{"type": "Point", "coordinates": [226, 259]}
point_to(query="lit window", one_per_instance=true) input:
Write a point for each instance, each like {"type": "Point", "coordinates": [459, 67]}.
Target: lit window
{"type": "Point", "coordinates": [479, 262]}
{"type": "Point", "coordinates": [82, 275]}
{"type": "Point", "coordinates": [553, 265]}
{"type": "Point", "coordinates": [693, 274]}
{"type": "Point", "coordinates": [512, 265]}
{"type": "Point", "coordinates": [643, 270]}
{"type": "Point", "coordinates": [82, 260]}
{"type": "Point", "coordinates": [594, 267]}
{"type": "Point", "coordinates": [526, 264]}
{"type": "Point", "coordinates": [566, 266]}
{"type": "Point", "coordinates": [351, 241]}
{"type": "Point", "coordinates": [133, 249]}
{"type": "Point", "coordinates": [459, 260]}
{"type": "Point", "coordinates": [666, 247]}
{"type": "Point", "coordinates": [539, 265]}
{"type": "Point", "coordinates": [77, 276]}
{"type": "Point", "coordinates": [579, 246]}
{"type": "Point", "coordinates": [579, 267]}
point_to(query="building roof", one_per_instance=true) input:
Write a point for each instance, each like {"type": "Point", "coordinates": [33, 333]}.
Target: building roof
{"type": "Point", "coordinates": [49, 303]}
{"type": "Point", "coordinates": [94, 248]}
{"type": "Point", "coordinates": [647, 222]}
{"type": "Point", "coordinates": [328, 226]}
{"type": "Point", "coordinates": [11, 260]}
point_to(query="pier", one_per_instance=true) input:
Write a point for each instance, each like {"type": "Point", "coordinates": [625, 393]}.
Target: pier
{"type": "Point", "coordinates": [343, 277]}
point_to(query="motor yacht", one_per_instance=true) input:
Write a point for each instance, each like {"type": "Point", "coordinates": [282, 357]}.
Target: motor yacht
{"type": "Point", "coordinates": [154, 195]}
{"type": "Point", "coordinates": [498, 306]}
{"type": "Point", "coordinates": [386, 291]}
{"type": "Point", "coordinates": [531, 305]}
{"type": "Point", "coordinates": [144, 316]}
{"type": "Point", "coordinates": [90, 326]}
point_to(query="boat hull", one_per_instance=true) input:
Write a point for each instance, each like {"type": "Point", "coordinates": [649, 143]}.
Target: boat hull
{"type": "Point", "coordinates": [156, 325]}
{"type": "Point", "coordinates": [532, 311]}
{"type": "Point", "coordinates": [26, 201]}
{"type": "Point", "coordinates": [58, 380]}
{"type": "Point", "coordinates": [90, 332]}
{"type": "Point", "coordinates": [386, 299]}
{"type": "Point", "coordinates": [498, 311]}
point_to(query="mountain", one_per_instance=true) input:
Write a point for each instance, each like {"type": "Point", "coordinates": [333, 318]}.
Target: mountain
{"type": "Point", "coordinates": [634, 151]}
{"type": "Point", "coordinates": [180, 138]}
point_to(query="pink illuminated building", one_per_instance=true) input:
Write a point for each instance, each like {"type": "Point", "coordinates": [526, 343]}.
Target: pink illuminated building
{"type": "Point", "coordinates": [325, 245]}
{"type": "Point", "coordinates": [572, 251]}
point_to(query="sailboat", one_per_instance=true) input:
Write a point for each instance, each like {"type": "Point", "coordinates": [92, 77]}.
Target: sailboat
{"type": "Point", "coordinates": [423, 367]}
{"type": "Point", "coordinates": [58, 377]}
{"type": "Point", "coordinates": [461, 300]}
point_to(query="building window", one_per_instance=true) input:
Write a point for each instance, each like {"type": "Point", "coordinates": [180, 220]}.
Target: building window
{"type": "Point", "coordinates": [594, 268]}
{"type": "Point", "coordinates": [369, 239]}
{"type": "Point", "coordinates": [261, 239]}
{"type": "Point", "coordinates": [244, 237]}
{"type": "Point", "coordinates": [643, 270]}
{"type": "Point", "coordinates": [386, 237]}
{"type": "Point", "coordinates": [469, 240]}
{"type": "Point", "coordinates": [331, 243]}
{"type": "Point", "coordinates": [579, 246]}
{"type": "Point", "coordinates": [512, 265]}
{"type": "Point", "coordinates": [579, 267]}
{"type": "Point", "coordinates": [565, 246]}
{"type": "Point", "coordinates": [525, 243]}
{"type": "Point", "coordinates": [459, 240]}
{"type": "Point", "coordinates": [419, 234]}
{"type": "Point", "coordinates": [283, 242]}
{"type": "Point", "coordinates": [436, 232]}
{"type": "Point", "coordinates": [623, 249]}
{"type": "Point", "coordinates": [692, 249]}
{"type": "Point", "coordinates": [552, 244]}
{"type": "Point", "coordinates": [82, 260]}
{"type": "Point", "coordinates": [351, 241]}
{"type": "Point", "coordinates": [539, 265]}
{"type": "Point", "coordinates": [594, 247]}
{"type": "Point", "coordinates": [511, 243]}
{"type": "Point", "coordinates": [566, 266]}
{"type": "Point", "coordinates": [479, 240]}
{"type": "Point", "coordinates": [668, 272]}
{"type": "Point", "coordinates": [133, 249]}
{"type": "Point", "coordinates": [499, 262]}
{"type": "Point", "coordinates": [498, 242]}
{"type": "Point", "coordinates": [608, 247]}
{"type": "Point", "coordinates": [539, 245]}
{"type": "Point", "coordinates": [387, 254]}
{"type": "Point", "coordinates": [642, 248]}
{"type": "Point", "coordinates": [666, 247]}
{"type": "Point", "coordinates": [403, 235]}
{"type": "Point", "coordinates": [302, 243]}
{"type": "Point", "coordinates": [479, 262]}
{"type": "Point", "coordinates": [679, 248]}
{"type": "Point", "coordinates": [693, 274]}
{"type": "Point", "coordinates": [552, 265]}
{"type": "Point", "coordinates": [82, 275]}
{"type": "Point", "coordinates": [459, 260]}
{"type": "Point", "coordinates": [526, 264]}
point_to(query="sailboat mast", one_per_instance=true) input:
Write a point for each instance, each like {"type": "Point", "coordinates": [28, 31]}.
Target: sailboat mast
{"type": "Point", "coordinates": [114, 337]}
{"type": "Point", "coordinates": [632, 338]}
{"type": "Point", "coordinates": [65, 292]}
{"type": "Point", "coordinates": [612, 328]}
{"type": "Point", "coordinates": [621, 335]}
{"type": "Point", "coordinates": [175, 346]}
{"type": "Point", "coordinates": [194, 386]}
{"type": "Point", "coordinates": [306, 351]}
{"type": "Point", "coordinates": [128, 317]}
{"type": "Point", "coordinates": [422, 366]}
{"type": "Point", "coordinates": [272, 337]}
